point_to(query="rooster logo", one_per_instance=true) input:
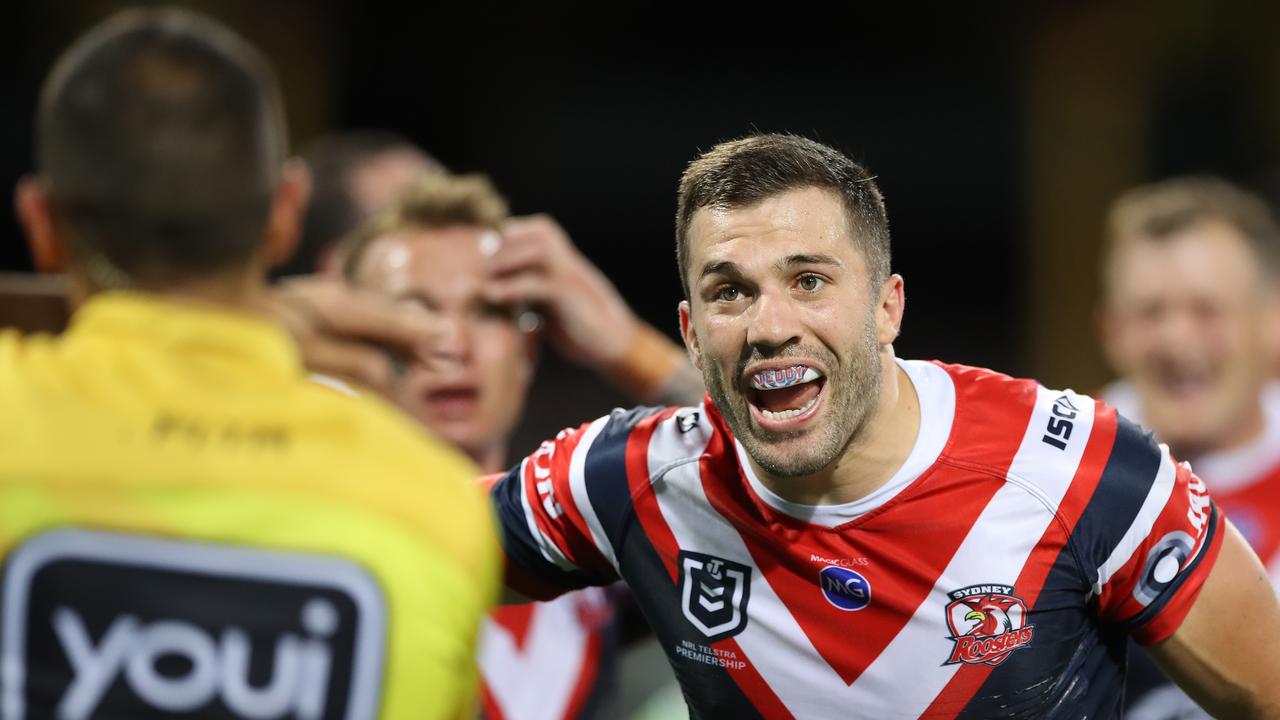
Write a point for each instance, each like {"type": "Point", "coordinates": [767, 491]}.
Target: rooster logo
{"type": "Point", "coordinates": [987, 623]}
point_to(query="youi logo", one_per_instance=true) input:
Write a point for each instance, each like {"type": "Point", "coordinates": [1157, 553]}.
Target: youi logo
{"type": "Point", "coordinates": [844, 588]}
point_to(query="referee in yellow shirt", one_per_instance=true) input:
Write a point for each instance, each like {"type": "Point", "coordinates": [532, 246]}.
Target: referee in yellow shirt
{"type": "Point", "coordinates": [188, 525]}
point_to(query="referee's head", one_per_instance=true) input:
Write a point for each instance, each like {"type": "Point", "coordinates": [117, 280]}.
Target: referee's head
{"type": "Point", "coordinates": [160, 148]}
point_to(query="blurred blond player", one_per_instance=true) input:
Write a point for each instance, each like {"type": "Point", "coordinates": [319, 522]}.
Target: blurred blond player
{"type": "Point", "coordinates": [188, 526]}
{"type": "Point", "coordinates": [1190, 321]}
{"type": "Point", "coordinates": [448, 244]}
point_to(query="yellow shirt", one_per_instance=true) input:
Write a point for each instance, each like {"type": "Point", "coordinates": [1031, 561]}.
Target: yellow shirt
{"type": "Point", "coordinates": [189, 525]}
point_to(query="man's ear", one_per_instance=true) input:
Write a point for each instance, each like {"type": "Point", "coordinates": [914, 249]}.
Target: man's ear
{"type": "Point", "coordinates": [892, 305]}
{"type": "Point", "coordinates": [690, 335]}
{"type": "Point", "coordinates": [35, 213]}
{"type": "Point", "coordinates": [288, 208]}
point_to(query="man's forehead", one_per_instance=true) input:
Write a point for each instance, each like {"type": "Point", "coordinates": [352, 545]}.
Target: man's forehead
{"type": "Point", "coordinates": [781, 224]}
{"type": "Point", "coordinates": [1211, 259]}
{"type": "Point", "coordinates": [1211, 248]}
{"type": "Point", "coordinates": [414, 257]}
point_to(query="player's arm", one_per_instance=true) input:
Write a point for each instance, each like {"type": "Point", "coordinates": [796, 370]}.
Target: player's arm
{"type": "Point", "coordinates": [546, 508]}
{"type": "Point", "coordinates": [1169, 569]}
{"type": "Point", "coordinates": [1226, 653]}
{"type": "Point", "coordinates": [351, 333]}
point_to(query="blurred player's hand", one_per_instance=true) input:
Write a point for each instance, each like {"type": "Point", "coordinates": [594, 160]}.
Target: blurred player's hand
{"type": "Point", "coordinates": [354, 334]}
{"type": "Point", "coordinates": [536, 263]}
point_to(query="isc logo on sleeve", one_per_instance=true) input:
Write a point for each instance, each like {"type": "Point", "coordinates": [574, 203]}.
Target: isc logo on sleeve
{"type": "Point", "coordinates": [109, 625]}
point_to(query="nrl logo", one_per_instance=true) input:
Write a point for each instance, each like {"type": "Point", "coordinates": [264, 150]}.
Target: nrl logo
{"type": "Point", "coordinates": [714, 594]}
{"type": "Point", "coordinates": [987, 622]}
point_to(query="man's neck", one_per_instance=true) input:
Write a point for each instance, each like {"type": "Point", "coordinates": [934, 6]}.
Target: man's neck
{"type": "Point", "coordinates": [242, 291]}
{"type": "Point", "coordinates": [871, 458]}
{"type": "Point", "coordinates": [492, 458]}
{"type": "Point", "coordinates": [1248, 428]}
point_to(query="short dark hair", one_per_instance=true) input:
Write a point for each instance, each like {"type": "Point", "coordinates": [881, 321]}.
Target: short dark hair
{"type": "Point", "coordinates": [333, 211]}
{"type": "Point", "coordinates": [160, 135]}
{"type": "Point", "coordinates": [743, 172]}
{"type": "Point", "coordinates": [1161, 210]}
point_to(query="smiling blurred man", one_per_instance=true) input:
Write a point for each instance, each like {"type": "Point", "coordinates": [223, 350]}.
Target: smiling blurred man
{"type": "Point", "coordinates": [1191, 321]}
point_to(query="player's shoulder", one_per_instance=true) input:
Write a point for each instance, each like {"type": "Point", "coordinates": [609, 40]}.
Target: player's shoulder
{"type": "Point", "coordinates": [663, 432]}
{"type": "Point", "coordinates": [373, 430]}
{"type": "Point", "coordinates": [1002, 420]}
{"type": "Point", "coordinates": [21, 355]}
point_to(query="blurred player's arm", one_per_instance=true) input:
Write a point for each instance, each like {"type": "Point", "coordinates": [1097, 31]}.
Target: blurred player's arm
{"type": "Point", "coordinates": [587, 321]}
{"type": "Point", "coordinates": [1226, 653]}
{"type": "Point", "coordinates": [351, 333]}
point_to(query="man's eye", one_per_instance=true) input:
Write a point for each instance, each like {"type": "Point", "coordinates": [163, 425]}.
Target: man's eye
{"type": "Point", "coordinates": [810, 283]}
{"type": "Point", "coordinates": [494, 311]}
{"type": "Point", "coordinates": [728, 294]}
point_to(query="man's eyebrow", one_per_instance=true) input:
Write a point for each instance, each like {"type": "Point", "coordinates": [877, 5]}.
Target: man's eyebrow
{"type": "Point", "coordinates": [418, 297]}
{"type": "Point", "coordinates": [721, 267]}
{"type": "Point", "coordinates": [809, 259]}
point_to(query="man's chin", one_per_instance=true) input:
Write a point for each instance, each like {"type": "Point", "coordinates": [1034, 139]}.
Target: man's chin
{"type": "Point", "coordinates": [785, 457]}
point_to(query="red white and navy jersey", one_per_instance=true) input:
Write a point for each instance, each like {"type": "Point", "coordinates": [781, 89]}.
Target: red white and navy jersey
{"type": "Point", "coordinates": [551, 660]}
{"type": "Point", "coordinates": [1245, 483]}
{"type": "Point", "coordinates": [1027, 535]}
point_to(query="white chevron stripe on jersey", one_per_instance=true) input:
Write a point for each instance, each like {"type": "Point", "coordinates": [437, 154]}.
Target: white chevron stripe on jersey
{"type": "Point", "coordinates": [536, 680]}
{"type": "Point", "coordinates": [1140, 528]}
{"type": "Point", "coordinates": [994, 551]}
{"type": "Point", "coordinates": [578, 486]}
{"type": "Point", "coordinates": [1011, 524]}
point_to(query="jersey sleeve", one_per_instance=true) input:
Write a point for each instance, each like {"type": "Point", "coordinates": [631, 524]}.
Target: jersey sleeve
{"type": "Point", "coordinates": [1152, 537]}
{"type": "Point", "coordinates": [555, 508]}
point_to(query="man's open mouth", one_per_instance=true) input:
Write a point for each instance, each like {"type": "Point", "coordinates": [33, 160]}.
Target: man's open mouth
{"type": "Point", "coordinates": [784, 393]}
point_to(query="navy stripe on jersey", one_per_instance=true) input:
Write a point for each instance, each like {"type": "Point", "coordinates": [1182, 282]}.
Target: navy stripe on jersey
{"type": "Point", "coordinates": [1167, 592]}
{"type": "Point", "coordinates": [522, 548]}
{"type": "Point", "coordinates": [606, 473]}
{"type": "Point", "coordinates": [1130, 473]}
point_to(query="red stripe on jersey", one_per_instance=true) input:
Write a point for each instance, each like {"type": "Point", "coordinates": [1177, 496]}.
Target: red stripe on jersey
{"type": "Point", "coordinates": [643, 501]}
{"type": "Point", "coordinates": [753, 685]}
{"type": "Point", "coordinates": [969, 678]}
{"type": "Point", "coordinates": [516, 619]}
{"type": "Point", "coordinates": [963, 485]}
{"type": "Point", "coordinates": [563, 524]}
{"type": "Point", "coordinates": [492, 711]}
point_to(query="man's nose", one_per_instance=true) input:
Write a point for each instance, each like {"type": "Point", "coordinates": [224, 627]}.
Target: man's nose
{"type": "Point", "coordinates": [774, 320]}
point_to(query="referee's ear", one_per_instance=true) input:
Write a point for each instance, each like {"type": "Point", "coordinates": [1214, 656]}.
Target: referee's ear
{"type": "Point", "coordinates": [35, 213]}
{"type": "Point", "coordinates": [288, 208]}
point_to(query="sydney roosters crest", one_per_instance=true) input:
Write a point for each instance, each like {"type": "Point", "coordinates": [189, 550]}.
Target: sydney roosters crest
{"type": "Point", "coordinates": [987, 622]}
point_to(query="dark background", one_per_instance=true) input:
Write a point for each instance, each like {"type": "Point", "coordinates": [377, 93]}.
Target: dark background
{"type": "Point", "coordinates": [998, 135]}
